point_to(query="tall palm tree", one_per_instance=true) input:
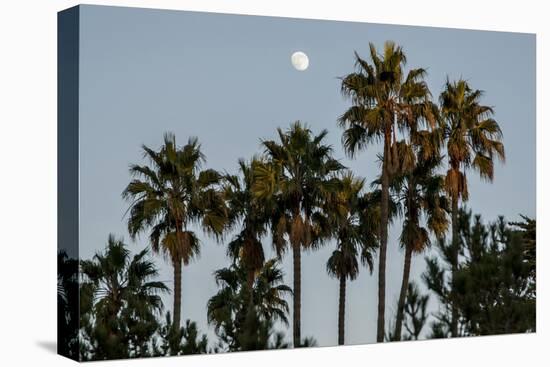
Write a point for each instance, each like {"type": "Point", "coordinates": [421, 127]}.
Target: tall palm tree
{"type": "Point", "coordinates": [355, 238]}
{"type": "Point", "coordinates": [239, 313]}
{"type": "Point", "coordinates": [473, 140]}
{"type": "Point", "coordinates": [167, 197]}
{"type": "Point", "coordinates": [251, 214]}
{"type": "Point", "coordinates": [299, 174]}
{"type": "Point", "coordinates": [120, 301]}
{"type": "Point", "coordinates": [420, 192]}
{"type": "Point", "coordinates": [384, 99]}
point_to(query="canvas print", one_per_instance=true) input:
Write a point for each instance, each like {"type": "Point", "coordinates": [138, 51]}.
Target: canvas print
{"type": "Point", "coordinates": [234, 183]}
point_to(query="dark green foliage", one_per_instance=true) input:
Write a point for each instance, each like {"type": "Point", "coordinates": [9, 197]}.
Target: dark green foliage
{"type": "Point", "coordinates": [67, 306]}
{"type": "Point", "coordinates": [528, 230]}
{"type": "Point", "coordinates": [308, 342]}
{"type": "Point", "coordinates": [493, 288]}
{"type": "Point", "coordinates": [243, 317]}
{"type": "Point", "coordinates": [416, 313]}
{"type": "Point", "coordinates": [182, 341]}
{"type": "Point", "coordinates": [119, 303]}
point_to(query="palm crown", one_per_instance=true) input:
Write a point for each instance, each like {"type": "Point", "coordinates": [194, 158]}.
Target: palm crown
{"type": "Point", "coordinates": [251, 214]}
{"type": "Point", "coordinates": [384, 100]}
{"type": "Point", "coordinates": [419, 191]}
{"type": "Point", "coordinates": [350, 221]}
{"type": "Point", "coordinates": [351, 215]}
{"type": "Point", "coordinates": [168, 196]}
{"type": "Point", "coordinates": [300, 172]}
{"type": "Point", "coordinates": [473, 140]}
{"type": "Point", "coordinates": [298, 175]}
{"type": "Point", "coordinates": [473, 136]}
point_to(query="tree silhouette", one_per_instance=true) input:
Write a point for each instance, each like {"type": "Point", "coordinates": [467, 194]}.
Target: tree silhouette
{"type": "Point", "coordinates": [350, 220]}
{"type": "Point", "coordinates": [420, 192]}
{"type": "Point", "coordinates": [120, 303]}
{"type": "Point", "coordinates": [473, 140]}
{"type": "Point", "coordinates": [384, 99]}
{"type": "Point", "coordinates": [251, 215]}
{"type": "Point", "coordinates": [492, 288]}
{"type": "Point", "coordinates": [299, 173]}
{"type": "Point", "coordinates": [182, 341]}
{"type": "Point", "coordinates": [168, 196]}
{"type": "Point", "coordinates": [243, 317]}
{"type": "Point", "coordinates": [67, 306]}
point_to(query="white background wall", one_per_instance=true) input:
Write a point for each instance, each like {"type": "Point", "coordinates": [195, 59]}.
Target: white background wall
{"type": "Point", "coordinates": [28, 180]}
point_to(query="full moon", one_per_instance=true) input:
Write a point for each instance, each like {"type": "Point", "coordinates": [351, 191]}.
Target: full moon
{"type": "Point", "coordinates": [299, 60]}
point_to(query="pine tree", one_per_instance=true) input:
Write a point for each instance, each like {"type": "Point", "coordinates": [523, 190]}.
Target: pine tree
{"type": "Point", "coordinates": [493, 287]}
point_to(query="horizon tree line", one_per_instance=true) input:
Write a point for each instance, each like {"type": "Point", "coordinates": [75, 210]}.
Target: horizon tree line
{"type": "Point", "coordinates": [296, 192]}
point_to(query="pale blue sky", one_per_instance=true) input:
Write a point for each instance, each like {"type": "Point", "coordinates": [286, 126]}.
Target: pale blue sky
{"type": "Point", "coordinates": [228, 80]}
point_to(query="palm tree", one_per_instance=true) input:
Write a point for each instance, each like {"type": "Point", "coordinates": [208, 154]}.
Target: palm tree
{"type": "Point", "coordinates": [473, 139]}
{"type": "Point", "coordinates": [420, 192]}
{"type": "Point", "coordinates": [249, 212]}
{"type": "Point", "coordinates": [299, 174]}
{"type": "Point", "coordinates": [384, 100]}
{"type": "Point", "coordinates": [240, 314]}
{"type": "Point", "coordinates": [355, 237]}
{"type": "Point", "coordinates": [168, 196]}
{"type": "Point", "coordinates": [120, 301]}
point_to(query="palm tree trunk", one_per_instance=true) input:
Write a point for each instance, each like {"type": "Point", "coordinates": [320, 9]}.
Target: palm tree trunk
{"type": "Point", "coordinates": [250, 286]}
{"type": "Point", "coordinates": [454, 265]}
{"type": "Point", "coordinates": [383, 243]}
{"type": "Point", "coordinates": [296, 252]}
{"type": "Point", "coordinates": [403, 293]}
{"type": "Point", "coordinates": [250, 279]}
{"type": "Point", "coordinates": [177, 294]}
{"type": "Point", "coordinates": [342, 311]}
